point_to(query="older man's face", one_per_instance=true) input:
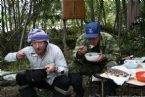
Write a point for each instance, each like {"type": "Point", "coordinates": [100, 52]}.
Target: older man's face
{"type": "Point", "coordinates": [39, 47]}
{"type": "Point", "coordinates": [93, 41]}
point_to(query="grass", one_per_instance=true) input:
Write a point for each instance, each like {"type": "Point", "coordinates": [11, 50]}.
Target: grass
{"type": "Point", "coordinates": [16, 66]}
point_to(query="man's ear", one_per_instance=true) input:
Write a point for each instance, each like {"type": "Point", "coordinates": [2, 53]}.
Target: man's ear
{"type": "Point", "coordinates": [46, 42]}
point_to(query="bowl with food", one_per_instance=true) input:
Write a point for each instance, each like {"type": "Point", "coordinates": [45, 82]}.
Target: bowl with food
{"type": "Point", "coordinates": [92, 56]}
{"type": "Point", "coordinates": [131, 64]}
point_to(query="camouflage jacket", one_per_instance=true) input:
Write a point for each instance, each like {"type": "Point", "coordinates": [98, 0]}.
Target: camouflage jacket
{"type": "Point", "coordinates": [108, 46]}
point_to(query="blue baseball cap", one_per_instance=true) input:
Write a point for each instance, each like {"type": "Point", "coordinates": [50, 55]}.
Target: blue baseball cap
{"type": "Point", "coordinates": [92, 30]}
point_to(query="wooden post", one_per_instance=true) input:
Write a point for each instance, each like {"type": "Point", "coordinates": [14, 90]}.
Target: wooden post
{"type": "Point", "coordinates": [71, 9]}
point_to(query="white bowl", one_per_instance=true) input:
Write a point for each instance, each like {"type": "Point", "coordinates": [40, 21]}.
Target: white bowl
{"type": "Point", "coordinates": [143, 65]}
{"type": "Point", "coordinates": [131, 64]}
{"type": "Point", "coordinates": [92, 56]}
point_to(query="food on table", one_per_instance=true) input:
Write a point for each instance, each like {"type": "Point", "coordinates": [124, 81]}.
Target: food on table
{"type": "Point", "coordinates": [117, 72]}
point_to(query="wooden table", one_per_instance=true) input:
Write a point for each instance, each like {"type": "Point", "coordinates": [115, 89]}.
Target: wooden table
{"type": "Point", "coordinates": [131, 81]}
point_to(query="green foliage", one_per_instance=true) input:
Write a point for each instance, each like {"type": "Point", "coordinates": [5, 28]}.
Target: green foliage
{"type": "Point", "coordinates": [133, 42]}
{"type": "Point", "coordinates": [56, 37]}
{"type": "Point", "coordinates": [16, 66]}
{"type": "Point", "coordinates": [47, 14]}
{"type": "Point", "coordinates": [110, 12]}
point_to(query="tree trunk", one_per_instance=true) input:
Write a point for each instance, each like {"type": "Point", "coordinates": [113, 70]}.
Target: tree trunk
{"type": "Point", "coordinates": [2, 19]}
{"type": "Point", "coordinates": [25, 26]}
{"type": "Point", "coordinates": [133, 12]}
{"type": "Point", "coordinates": [9, 13]}
{"type": "Point", "coordinates": [5, 14]}
{"type": "Point", "coordinates": [117, 20]}
{"type": "Point", "coordinates": [92, 10]}
{"type": "Point", "coordinates": [18, 11]}
{"type": "Point", "coordinates": [22, 12]}
{"type": "Point", "coordinates": [125, 12]}
{"type": "Point", "coordinates": [14, 14]}
{"type": "Point", "coordinates": [104, 14]}
{"type": "Point", "coordinates": [66, 50]}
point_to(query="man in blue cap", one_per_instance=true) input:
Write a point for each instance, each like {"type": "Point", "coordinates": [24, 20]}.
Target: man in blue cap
{"type": "Point", "coordinates": [48, 60]}
{"type": "Point", "coordinates": [92, 41]}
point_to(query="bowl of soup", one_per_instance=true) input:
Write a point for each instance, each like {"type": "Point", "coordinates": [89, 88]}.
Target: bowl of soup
{"type": "Point", "coordinates": [92, 56]}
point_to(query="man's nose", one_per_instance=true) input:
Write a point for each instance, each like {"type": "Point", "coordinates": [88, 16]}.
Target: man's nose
{"type": "Point", "coordinates": [37, 45]}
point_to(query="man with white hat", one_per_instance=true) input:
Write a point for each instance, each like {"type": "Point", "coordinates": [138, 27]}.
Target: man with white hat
{"type": "Point", "coordinates": [47, 59]}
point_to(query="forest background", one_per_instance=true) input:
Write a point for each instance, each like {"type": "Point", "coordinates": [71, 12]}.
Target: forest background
{"type": "Point", "coordinates": [124, 19]}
